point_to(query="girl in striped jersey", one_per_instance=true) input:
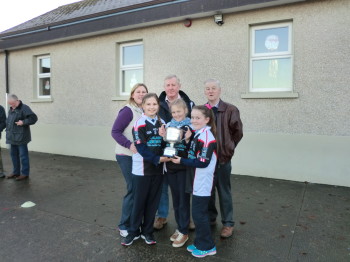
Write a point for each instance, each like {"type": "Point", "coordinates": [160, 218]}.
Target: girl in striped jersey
{"type": "Point", "coordinates": [147, 170]}
{"type": "Point", "coordinates": [200, 169]}
{"type": "Point", "coordinates": [176, 174]}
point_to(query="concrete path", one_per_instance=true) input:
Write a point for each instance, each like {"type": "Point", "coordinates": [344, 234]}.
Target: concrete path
{"type": "Point", "coordinates": [78, 202]}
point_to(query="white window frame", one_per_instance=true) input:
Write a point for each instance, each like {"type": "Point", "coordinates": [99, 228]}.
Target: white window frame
{"type": "Point", "coordinates": [42, 75]}
{"type": "Point", "coordinates": [266, 56]}
{"type": "Point", "coordinates": [123, 68]}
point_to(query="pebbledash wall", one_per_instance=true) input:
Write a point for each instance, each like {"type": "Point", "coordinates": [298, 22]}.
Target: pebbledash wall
{"type": "Point", "coordinates": [302, 139]}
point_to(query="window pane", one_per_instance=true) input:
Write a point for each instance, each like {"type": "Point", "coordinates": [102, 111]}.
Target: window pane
{"type": "Point", "coordinates": [272, 74]}
{"type": "Point", "coordinates": [132, 55]}
{"type": "Point", "coordinates": [271, 40]}
{"type": "Point", "coordinates": [130, 78]}
{"type": "Point", "coordinates": [44, 86]}
{"type": "Point", "coordinates": [45, 65]}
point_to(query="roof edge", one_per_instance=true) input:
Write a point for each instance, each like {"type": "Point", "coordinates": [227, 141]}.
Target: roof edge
{"type": "Point", "coordinates": [146, 15]}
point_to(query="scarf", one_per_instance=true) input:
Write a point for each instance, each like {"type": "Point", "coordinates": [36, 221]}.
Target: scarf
{"type": "Point", "coordinates": [185, 122]}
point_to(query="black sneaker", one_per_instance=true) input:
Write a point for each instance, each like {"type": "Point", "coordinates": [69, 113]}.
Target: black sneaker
{"type": "Point", "coordinates": [149, 239]}
{"type": "Point", "coordinates": [129, 239]}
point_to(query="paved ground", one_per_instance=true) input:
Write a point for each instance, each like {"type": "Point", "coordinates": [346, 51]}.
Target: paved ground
{"type": "Point", "coordinates": [78, 204]}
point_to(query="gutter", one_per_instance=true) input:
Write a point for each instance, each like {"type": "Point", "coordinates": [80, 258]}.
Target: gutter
{"type": "Point", "coordinates": [136, 16]}
{"type": "Point", "coordinates": [48, 28]}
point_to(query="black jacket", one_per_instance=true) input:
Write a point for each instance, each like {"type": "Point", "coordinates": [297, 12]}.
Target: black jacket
{"type": "Point", "coordinates": [164, 111]}
{"type": "Point", "coordinates": [2, 119]}
{"type": "Point", "coordinates": [19, 135]}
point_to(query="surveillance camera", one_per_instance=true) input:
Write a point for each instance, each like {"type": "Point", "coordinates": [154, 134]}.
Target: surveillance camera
{"type": "Point", "coordinates": [218, 19]}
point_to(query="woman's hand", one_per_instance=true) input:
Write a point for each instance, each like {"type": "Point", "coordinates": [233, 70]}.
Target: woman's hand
{"type": "Point", "coordinates": [176, 160]}
{"type": "Point", "coordinates": [161, 131]}
{"type": "Point", "coordinates": [133, 148]}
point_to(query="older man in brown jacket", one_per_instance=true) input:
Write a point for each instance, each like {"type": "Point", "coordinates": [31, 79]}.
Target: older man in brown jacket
{"type": "Point", "coordinates": [229, 133]}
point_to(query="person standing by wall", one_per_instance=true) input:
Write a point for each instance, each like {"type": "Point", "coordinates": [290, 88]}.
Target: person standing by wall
{"type": "Point", "coordinates": [20, 118]}
{"type": "Point", "coordinates": [122, 134]}
{"type": "Point", "coordinates": [171, 92]}
{"type": "Point", "coordinates": [2, 127]}
{"type": "Point", "coordinates": [176, 174]}
{"type": "Point", "coordinates": [201, 164]}
{"type": "Point", "coordinates": [229, 133]}
{"type": "Point", "coordinates": [147, 172]}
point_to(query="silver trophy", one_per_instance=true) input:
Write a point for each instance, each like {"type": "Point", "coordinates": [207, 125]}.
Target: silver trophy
{"type": "Point", "coordinates": [173, 135]}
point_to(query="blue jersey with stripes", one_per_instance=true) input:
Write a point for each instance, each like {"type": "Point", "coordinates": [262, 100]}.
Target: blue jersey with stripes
{"type": "Point", "coordinates": [149, 145]}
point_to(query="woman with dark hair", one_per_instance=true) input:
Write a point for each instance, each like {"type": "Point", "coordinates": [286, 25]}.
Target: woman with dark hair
{"type": "Point", "coordinates": [122, 134]}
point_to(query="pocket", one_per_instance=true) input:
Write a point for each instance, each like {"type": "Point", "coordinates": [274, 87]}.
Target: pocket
{"type": "Point", "coordinates": [17, 137]}
{"type": "Point", "coordinates": [17, 133]}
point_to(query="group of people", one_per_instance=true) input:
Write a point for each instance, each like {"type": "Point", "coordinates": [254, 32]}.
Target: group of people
{"type": "Point", "coordinates": [20, 118]}
{"type": "Point", "coordinates": [201, 165]}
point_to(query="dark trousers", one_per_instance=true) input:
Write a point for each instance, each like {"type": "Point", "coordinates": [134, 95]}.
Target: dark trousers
{"type": "Point", "coordinates": [20, 156]}
{"type": "Point", "coordinates": [222, 183]}
{"type": "Point", "coordinates": [181, 199]}
{"type": "Point", "coordinates": [125, 164]}
{"type": "Point", "coordinates": [203, 240]}
{"type": "Point", "coordinates": [147, 190]}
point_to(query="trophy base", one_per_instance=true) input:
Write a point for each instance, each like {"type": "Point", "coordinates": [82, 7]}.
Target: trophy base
{"type": "Point", "coordinates": [169, 152]}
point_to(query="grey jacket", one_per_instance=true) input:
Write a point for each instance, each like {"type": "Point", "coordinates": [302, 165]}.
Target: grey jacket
{"type": "Point", "coordinates": [19, 135]}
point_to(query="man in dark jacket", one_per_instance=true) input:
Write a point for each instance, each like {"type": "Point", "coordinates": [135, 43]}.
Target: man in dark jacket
{"type": "Point", "coordinates": [229, 131]}
{"type": "Point", "coordinates": [19, 119]}
{"type": "Point", "coordinates": [2, 127]}
{"type": "Point", "coordinates": [171, 92]}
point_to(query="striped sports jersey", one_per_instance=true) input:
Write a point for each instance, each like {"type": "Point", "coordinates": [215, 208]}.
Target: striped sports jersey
{"type": "Point", "coordinates": [149, 146]}
{"type": "Point", "coordinates": [201, 162]}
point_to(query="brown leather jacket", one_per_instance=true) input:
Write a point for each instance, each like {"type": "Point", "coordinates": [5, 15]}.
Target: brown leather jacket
{"type": "Point", "coordinates": [229, 131]}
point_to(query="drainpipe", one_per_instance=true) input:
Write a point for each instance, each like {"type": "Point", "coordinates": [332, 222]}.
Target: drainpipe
{"type": "Point", "coordinates": [7, 71]}
{"type": "Point", "coordinates": [7, 79]}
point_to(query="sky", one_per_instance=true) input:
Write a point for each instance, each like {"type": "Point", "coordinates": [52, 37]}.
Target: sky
{"type": "Point", "coordinates": [15, 12]}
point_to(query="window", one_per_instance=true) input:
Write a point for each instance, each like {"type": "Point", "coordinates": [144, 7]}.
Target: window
{"type": "Point", "coordinates": [131, 66]}
{"type": "Point", "coordinates": [271, 59]}
{"type": "Point", "coordinates": [43, 77]}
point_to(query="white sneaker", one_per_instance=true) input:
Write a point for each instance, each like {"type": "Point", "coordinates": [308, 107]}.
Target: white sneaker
{"type": "Point", "coordinates": [180, 240]}
{"type": "Point", "coordinates": [175, 235]}
{"type": "Point", "coordinates": [123, 232]}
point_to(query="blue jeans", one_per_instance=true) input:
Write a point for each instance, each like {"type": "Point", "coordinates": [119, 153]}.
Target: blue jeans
{"type": "Point", "coordinates": [223, 184]}
{"type": "Point", "coordinates": [1, 166]}
{"type": "Point", "coordinates": [19, 156]}
{"type": "Point", "coordinates": [203, 240]}
{"type": "Point", "coordinates": [163, 207]}
{"type": "Point", "coordinates": [125, 164]}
